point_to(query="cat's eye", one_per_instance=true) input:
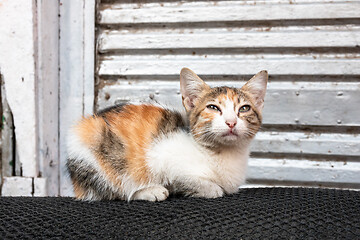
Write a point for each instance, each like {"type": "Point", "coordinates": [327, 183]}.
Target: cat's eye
{"type": "Point", "coordinates": [213, 107]}
{"type": "Point", "coordinates": [244, 108]}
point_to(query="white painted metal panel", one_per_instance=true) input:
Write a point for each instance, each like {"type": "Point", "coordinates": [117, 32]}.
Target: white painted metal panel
{"type": "Point", "coordinates": [239, 64]}
{"type": "Point", "coordinates": [217, 11]}
{"type": "Point", "coordinates": [292, 36]}
{"type": "Point", "coordinates": [310, 48]}
{"type": "Point", "coordinates": [328, 144]}
{"type": "Point", "coordinates": [304, 171]}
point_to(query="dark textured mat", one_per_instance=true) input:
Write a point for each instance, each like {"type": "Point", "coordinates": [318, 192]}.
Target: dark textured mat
{"type": "Point", "coordinates": [268, 213]}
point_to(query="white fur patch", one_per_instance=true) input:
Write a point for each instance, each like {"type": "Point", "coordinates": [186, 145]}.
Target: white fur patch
{"type": "Point", "coordinates": [77, 150]}
{"type": "Point", "coordinates": [155, 193]}
{"type": "Point", "coordinates": [178, 158]}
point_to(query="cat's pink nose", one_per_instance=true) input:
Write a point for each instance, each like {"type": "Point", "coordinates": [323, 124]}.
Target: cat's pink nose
{"type": "Point", "coordinates": [231, 124]}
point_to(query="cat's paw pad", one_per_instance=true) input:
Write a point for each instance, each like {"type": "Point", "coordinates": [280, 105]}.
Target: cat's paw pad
{"type": "Point", "coordinates": [153, 194]}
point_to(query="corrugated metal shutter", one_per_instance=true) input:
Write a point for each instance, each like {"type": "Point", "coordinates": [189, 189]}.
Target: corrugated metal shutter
{"type": "Point", "coordinates": [310, 48]}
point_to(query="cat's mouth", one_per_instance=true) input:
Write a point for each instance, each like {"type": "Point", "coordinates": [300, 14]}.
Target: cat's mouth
{"type": "Point", "coordinates": [230, 133]}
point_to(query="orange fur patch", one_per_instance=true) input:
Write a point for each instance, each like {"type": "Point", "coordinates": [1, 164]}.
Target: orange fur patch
{"type": "Point", "coordinates": [232, 95]}
{"type": "Point", "coordinates": [208, 116]}
{"type": "Point", "coordinates": [90, 130]}
{"type": "Point", "coordinates": [78, 190]}
{"type": "Point", "coordinates": [136, 125]}
{"type": "Point", "coordinates": [221, 98]}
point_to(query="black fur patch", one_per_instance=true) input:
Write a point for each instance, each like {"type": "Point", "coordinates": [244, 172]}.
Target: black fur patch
{"type": "Point", "coordinates": [112, 151]}
{"type": "Point", "coordinates": [216, 91]}
{"type": "Point", "coordinates": [113, 109]}
{"type": "Point", "coordinates": [171, 121]}
{"type": "Point", "coordinates": [89, 180]}
{"type": "Point", "coordinates": [257, 115]}
{"type": "Point", "coordinates": [116, 108]}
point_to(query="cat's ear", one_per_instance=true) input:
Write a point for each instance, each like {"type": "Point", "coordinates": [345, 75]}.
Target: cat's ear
{"type": "Point", "coordinates": [191, 87]}
{"type": "Point", "coordinates": [256, 87]}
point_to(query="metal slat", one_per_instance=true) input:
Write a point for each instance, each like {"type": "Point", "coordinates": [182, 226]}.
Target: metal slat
{"type": "Point", "coordinates": [240, 64]}
{"type": "Point", "coordinates": [301, 143]}
{"type": "Point", "coordinates": [304, 171]}
{"type": "Point", "coordinates": [265, 37]}
{"type": "Point", "coordinates": [215, 11]}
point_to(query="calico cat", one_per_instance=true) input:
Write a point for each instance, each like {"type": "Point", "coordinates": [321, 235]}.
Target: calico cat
{"type": "Point", "coordinates": [145, 152]}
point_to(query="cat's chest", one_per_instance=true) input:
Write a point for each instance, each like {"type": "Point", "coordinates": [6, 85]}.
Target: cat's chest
{"type": "Point", "coordinates": [230, 169]}
{"type": "Point", "coordinates": [178, 156]}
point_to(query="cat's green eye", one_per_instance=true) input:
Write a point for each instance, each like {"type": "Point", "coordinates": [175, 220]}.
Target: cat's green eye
{"type": "Point", "coordinates": [213, 107]}
{"type": "Point", "coordinates": [244, 108]}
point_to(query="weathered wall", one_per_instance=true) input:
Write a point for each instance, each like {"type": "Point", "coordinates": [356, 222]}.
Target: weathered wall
{"type": "Point", "coordinates": [47, 64]}
{"type": "Point", "coordinates": [17, 62]}
{"type": "Point", "coordinates": [310, 49]}
{"type": "Point", "coordinates": [29, 66]}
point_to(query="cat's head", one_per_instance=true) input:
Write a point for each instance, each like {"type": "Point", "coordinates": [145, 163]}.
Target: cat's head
{"type": "Point", "coordinates": [223, 116]}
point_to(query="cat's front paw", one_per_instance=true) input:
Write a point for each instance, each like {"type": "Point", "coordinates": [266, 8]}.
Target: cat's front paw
{"type": "Point", "coordinates": [209, 191]}
{"type": "Point", "coordinates": [153, 194]}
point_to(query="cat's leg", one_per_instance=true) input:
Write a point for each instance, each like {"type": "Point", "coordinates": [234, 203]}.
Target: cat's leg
{"type": "Point", "coordinates": [153, 194]}
{"type": "Point", "coordinates": [199, 187]}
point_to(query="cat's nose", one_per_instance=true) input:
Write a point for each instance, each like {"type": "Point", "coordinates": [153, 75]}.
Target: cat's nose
{"type": "Point", "coordinates": [231, 124]}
